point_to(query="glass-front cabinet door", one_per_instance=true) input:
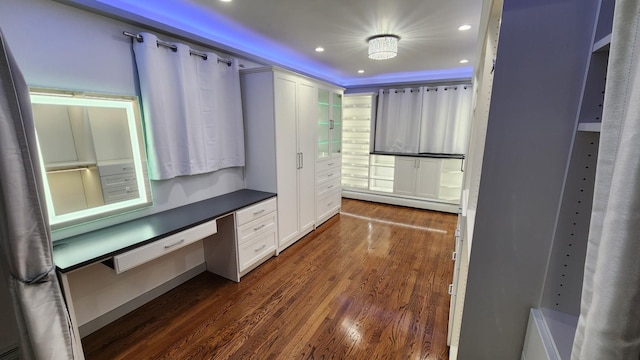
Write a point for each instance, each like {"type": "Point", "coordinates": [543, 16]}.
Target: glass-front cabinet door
{"type": "Point", "coordinates": [335, 124]}
{"type": "Point", "coordinates": [323, 124]}
{"type": "Point", "coordinates": [329, 124]}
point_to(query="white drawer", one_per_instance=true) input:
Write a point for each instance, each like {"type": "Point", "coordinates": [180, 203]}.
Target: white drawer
{"type": "Point", "coordinates": [256, 248]}
{"type": "Point", "coordinates": [113, 169]}
{"type": "Point", "coordinates": [154, 250]}
{"type": "Point", "coordinates": [255, 211]}
{"type": "Point", "coordinates": [328, 164]}
{"type": "Point", "coordinates": [260, 225]}
{"type": "Point", "coordinates": [328, 186]}
{"type": "Point", "coordinates": [328, 203]}
{"type": "Point", "coordinates": [118, 179]}
{"type": "Point", "coordinates": [327, 175]}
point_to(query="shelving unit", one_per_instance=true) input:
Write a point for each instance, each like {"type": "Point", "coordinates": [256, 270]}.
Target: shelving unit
{"type": "Point", "coordinates": [553, 324]}
{"type": "Point", "coordinates": [381, 173]}
{"type": "Point", "coordinates": [329, 123]}
{"type": "Point", "coordinates": [451, 180]}
{"type": "Point", "coordinates": [356, 139]}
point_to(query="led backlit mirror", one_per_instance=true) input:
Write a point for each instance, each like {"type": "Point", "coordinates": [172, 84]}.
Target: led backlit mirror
{"type": "Point", "coordinates": [92, 155]}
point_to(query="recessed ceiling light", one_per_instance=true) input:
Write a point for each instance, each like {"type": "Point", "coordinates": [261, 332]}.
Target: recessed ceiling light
{"type": "Point", "coordinates": [464, 27]}
{"type": "Point", "coordinates": [319, 49]}
{"type": "Point", "coordinates": [360, 71]}
{"type": "Point", "coordinates": [225, 0]}
{"type": "Point", "coordinates": [464, 61]}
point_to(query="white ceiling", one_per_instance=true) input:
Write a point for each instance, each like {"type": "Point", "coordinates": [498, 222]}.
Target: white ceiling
{"type": "Point", "coordinates": [286, 32]}
{"type": "Point", "coordinates": [430, 42]}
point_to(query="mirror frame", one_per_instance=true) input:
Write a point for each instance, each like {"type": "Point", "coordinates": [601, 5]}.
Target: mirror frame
{"type": "Point", "coordinates": [131, 105]}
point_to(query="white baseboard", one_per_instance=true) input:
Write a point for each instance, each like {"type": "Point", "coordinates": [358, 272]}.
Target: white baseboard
{"type": "Point", "coordinates": [393, 199]}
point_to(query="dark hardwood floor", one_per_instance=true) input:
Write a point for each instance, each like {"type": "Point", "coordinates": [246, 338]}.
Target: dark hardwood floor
{"type": "Point", "coordinates": [371, 283]}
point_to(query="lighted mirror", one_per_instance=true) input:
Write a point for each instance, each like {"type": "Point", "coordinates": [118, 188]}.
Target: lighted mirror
{"type": "Point", "coordinates": [92, 155]}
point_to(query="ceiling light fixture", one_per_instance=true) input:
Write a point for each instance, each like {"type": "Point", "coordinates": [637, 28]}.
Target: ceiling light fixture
{"type": "Point", "coordinates": [319, 49]}
{"type": "Point", "coordinates": [464, 27]}
{"type": "Point", "coordinates": [360, 71]}
{"type": "Point", "coordinates": [382, 47]}
{"type": "Point", "coordinates": [464, 61]}
{"type": "Point", "coordinates": [225, 0]}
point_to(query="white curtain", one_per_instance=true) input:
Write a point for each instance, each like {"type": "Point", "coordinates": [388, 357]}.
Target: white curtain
{"type": "Point", "coordinates": [398, 120]}
{"type": "Point", "coordinates": [446, 119]}
{"type": "Point", "coordinates": [192, 110]}
{"type": "Point", "coordinates": [609, 323]}
{"type": "Point", "coordinates": [25, 245]}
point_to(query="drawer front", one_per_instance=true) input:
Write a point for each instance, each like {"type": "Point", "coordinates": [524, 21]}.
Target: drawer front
{"type": "Point", "coordinates": [327, 176]}
{"type": "Point", "coordinates": [120, 192]}
{"type": "Point", "coordinates": [261, 225]}
{"type": "Point", "coordinates": [154, 250]}
{"type": "Point", "coordinates": [114, 169]}
{"type": "Point", "coordinates": [256, 248]}
{"type": "Point", "coordinates": [326, 187]}
{"type": "Point", "coordinates": [118, 179]}
{"type": "Point", "coordinates": [328, 203]}
{"type": "Point", "coordinates": [328, 164]}
{"type": "Point", "coordinates": [255, 211]}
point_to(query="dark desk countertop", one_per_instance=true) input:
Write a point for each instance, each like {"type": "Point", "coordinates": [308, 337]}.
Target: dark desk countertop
{"type": "Point", "coordinates": [84, 249]}
{"type": "Point", "coordinates": [426, 155]}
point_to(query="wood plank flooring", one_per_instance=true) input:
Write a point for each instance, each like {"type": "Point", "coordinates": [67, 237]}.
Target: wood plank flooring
{"type": "Point", "coordinates": [371, 283]}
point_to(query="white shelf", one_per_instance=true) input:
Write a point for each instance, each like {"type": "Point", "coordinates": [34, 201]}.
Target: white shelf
{"type": "Point", "coordinates": [357, 106]}
{"type": "Point", "coordinates": [355, 165]}
{"type": "Point", "coordinates": [590, 127]}
{"type": "Point", "coordinates": [381, 189]}
{"type": "Point", "coordinates": [383, 165]}
{"type": "Point", "coordinates": [603, 44]}
{"type": "Point", "coordinates": [378, 177]}
{"type": "Point", "coordinates": [356, 130]}
{"type": "Point", "coordinates": [355, 176]}
{"type": "Point", "coordinates": [69, 165]}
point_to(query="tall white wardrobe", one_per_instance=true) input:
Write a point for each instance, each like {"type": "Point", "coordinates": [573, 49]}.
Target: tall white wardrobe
{"type": "Point", "coordinates": [281, 126]}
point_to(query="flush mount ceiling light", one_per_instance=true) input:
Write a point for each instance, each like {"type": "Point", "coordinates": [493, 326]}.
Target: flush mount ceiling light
{"type": "Point", "coordinates": [382, 47]}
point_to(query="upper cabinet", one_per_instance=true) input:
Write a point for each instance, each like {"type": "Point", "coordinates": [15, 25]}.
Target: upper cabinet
{"type": "Point", "coordinates": [329, 123]}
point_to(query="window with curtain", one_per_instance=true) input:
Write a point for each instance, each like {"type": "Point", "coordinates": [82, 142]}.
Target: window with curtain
{"type": "Point", "coordinates": [424, 120]}
{"type": "Point", "coordinates": [192, 109]}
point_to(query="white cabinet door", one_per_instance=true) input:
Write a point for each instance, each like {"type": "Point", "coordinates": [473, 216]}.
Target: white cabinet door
{"type": "Point", "coordinates": [427, 178]}
{"type": "Point", "coordinates": [287, 158]}
{"type": "Point", "coordinates": [404, 177]}
{"type": "Point", "coordinates": [307, 114]}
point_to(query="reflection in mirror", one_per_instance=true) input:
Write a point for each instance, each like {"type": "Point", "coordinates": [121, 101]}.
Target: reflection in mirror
{"type": "Point", "coordinates": [92, 155]}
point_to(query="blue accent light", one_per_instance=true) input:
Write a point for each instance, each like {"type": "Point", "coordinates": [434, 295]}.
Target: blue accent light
{"type": "Point", "coordinates": [192, 20]}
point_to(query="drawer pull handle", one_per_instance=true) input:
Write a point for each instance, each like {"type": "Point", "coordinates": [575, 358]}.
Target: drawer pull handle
{"type": "Point", "coordinates": [450, 290]}
{"type": "Point", "coordinates": [329, 187]}
{"type": "Point", "coordinates": [330, 203]}
{"type": "Point", "coordinates": [454, 256]}
{"type": "Point", "coordinates": [259, 227]}
{"type": "Point", "coordinates": [330, 175]}
{"type": "Point", "coordinates": [330, 164]}
{"type": "Point", "coordinates": [174, 244]}
{"type": "Point", "coordinates": [258, 212]}
{"type": "Point", "coordinates": [261, 247]}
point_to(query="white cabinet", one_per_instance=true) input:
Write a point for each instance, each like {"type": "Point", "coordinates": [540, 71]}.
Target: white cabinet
{"type": "Point", "coordinates": [281, 111]}
{"type": "Point", "coordinates": [328, 190]}
{"type": "Point", "coordinates": [416, 177]}
{"type": "Point", "coordinates": [381, 173]}
{"type": "Point", "coordinates": [329, 123]}
{"type": "Point", "coordinates": [357, 112]}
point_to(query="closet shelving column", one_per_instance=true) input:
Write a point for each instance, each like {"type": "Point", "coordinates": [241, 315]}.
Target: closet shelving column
{"type": "Point", "coordinates": [381, 173]}
{"type": "Point", "coordinates": [356, 140]}
{"type": "Point", "coordinates": [559, 309]}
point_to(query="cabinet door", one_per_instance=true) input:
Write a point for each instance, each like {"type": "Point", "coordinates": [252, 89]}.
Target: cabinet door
{"type": "Point", "coordinates": [307, 113]}
{"type": "Point", "coordinates": [336, 124]}
{"type": "Point", "coordinates": [323, 114]}
{"type": "Point", "coordinates": [286, 158]}
{"type": "Point", "coordinates": [428, 178]}
{"type": "Point", "coordinates": [404, 177]}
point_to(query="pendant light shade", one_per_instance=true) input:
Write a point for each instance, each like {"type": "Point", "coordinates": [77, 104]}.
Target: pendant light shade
{"type": "Point", "coordinates": [382, 47]}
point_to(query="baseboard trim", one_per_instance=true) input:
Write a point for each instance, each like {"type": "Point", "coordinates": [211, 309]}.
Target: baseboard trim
{"type": "Point", "coordinates": [126, 308]}
{"type": "Point", "coordinates": [395, 200]}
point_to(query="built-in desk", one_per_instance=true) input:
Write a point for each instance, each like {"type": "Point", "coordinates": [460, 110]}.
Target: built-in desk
{"type": "Point", "coordinates": [249, 213]}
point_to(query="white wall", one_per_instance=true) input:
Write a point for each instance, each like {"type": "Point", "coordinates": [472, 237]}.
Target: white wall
{"type": "Point", "coordinates": [57, 46]}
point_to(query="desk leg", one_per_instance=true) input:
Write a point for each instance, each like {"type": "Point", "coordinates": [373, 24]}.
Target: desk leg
{"type": "Point", "coordinates": [78, 352]}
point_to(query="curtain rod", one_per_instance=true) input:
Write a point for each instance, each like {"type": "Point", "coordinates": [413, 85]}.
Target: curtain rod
{"type": "Point", "coordinates": [427, 88]}
{"type": "Point", "coordinates": [140, 38]}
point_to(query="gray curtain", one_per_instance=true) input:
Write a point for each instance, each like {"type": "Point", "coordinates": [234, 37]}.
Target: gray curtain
{"type": "Point", "coordinates": [41, 314]}
{"type": "Point", "coordinates": [609, 324]}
